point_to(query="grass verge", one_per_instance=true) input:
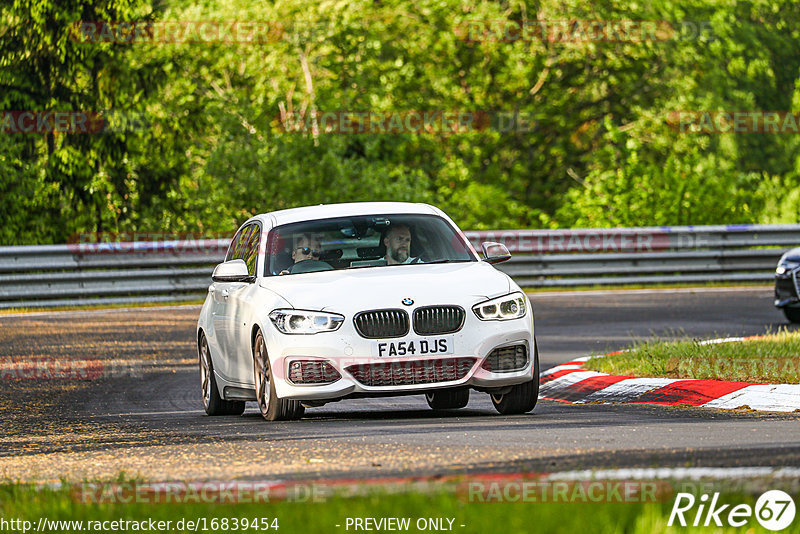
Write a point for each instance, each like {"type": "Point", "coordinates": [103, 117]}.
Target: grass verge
{"type": "Point", "coordinates": [452, 509]}
{"type": "Point", "coordinates": [773, 358]}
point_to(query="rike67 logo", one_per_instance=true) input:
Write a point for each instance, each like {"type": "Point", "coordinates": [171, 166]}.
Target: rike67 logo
{"type": "Point", "coordinates": [774, 510]}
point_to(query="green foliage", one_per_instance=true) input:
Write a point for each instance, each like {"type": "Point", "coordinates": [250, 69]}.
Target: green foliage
{"type": "Point", "coordinates": [601, 150]}
{"type": "Point", "coordinates": [689, 186]}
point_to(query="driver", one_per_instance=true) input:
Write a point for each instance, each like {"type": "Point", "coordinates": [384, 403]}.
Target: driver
{"type": "Point", "coordinates": [398, 245]}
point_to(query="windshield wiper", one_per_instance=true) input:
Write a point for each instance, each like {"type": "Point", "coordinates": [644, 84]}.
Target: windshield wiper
{"type": "Point", "coordinates": [446, 260]}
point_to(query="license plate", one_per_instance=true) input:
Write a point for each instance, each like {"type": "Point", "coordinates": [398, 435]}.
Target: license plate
{"type": "Point", "coordinates": [413, 347]}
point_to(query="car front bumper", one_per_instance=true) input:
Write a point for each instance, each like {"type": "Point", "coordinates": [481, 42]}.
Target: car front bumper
{"type": "Point", "coordinates": [787, 289]}
{"type": "Point", "coordinates": [477, 339]}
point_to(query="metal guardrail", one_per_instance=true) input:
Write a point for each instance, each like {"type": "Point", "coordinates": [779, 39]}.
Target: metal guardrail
{"type": "Point", "coordinates": [119, 273]}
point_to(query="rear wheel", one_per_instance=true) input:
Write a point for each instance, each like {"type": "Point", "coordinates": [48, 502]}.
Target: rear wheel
{"type": "Point", "coordinates": [793, 314]}
{"type": "Point", "coordinates": [212, 402]}
{"type": "Point", "coordinates": [448, 399]}
{"type": "Point", "coordinates": [271, 407]}
{"type": "Point", "coordinates": [522, 397]}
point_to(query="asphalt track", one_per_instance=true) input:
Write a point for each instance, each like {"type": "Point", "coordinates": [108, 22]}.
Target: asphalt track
{"type": "Point", "coordinates": [143, 416]}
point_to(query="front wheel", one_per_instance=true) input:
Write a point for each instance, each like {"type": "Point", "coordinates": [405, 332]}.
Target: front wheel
{"type": "Point", "coordinates": [271, 406]}
{"type": "Point", "coordinates": [522, 397]}
{"type": "Point", "coordinates": [212, 402]}
{"type": "Point", "coordinates": [448, 399]}
{"type": "Point", "coordinates": [793, 314]}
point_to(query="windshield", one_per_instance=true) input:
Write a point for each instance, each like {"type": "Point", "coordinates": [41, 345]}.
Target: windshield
{"type": "Point", "coordinates": [364, 241]}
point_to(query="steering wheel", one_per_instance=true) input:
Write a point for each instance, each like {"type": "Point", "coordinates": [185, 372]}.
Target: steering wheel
{"type": "Point", "coordinates": [309, 266]}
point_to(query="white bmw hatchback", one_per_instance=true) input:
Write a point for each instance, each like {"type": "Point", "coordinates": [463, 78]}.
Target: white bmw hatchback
{"type": "Point", "coordinates": [323, 303]}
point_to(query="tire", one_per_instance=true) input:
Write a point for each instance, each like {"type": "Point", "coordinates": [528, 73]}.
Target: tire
{"type": "Point", "coordinates": [522, 397]}
{"type": "Point", "coordinates": [793, 314]}
{"type": "Point", "coordinates": [448, 399]}
{"type": "Point", "coordinates": [212, 402]}
{"type": "Point", "coordinates": [270, 406]}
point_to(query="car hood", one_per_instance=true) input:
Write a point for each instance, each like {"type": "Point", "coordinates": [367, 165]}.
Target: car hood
{"type": "Point", "coordinates": [353, 290]}
{"type": "Point", "coordinates": [792, 255]}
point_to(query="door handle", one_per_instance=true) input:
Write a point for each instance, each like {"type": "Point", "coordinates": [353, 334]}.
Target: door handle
{"type": "Point", "coordinates": [225, 293]}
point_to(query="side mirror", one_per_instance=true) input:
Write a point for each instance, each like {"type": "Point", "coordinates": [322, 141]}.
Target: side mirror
{"type": "Point", "coordinates": [231, 271]}
{"type": "Point", "coordinates": [495, 252]}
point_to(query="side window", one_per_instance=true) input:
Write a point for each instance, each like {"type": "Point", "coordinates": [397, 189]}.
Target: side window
{"type": "Point", "coordinates": [236, 252]}
{"type": "Point", "coordinates": [251, 249]}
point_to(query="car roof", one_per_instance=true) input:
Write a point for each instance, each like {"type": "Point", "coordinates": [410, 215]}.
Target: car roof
{"type": "Point", "coordinates": [327, 211]}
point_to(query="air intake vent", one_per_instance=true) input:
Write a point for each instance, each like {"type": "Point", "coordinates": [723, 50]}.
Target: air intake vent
{"type": "Point", "coordinates": [378, 324]}
{"type": "Point", "coordinates": [405, 373]}
{"type": "Point", "coordinates": [506, 359]}
{"type": "Point", "coordinates": [432, 320]}
{"type": "Point", "coordinates": [312, 372]}
{"type": "Point", "coordinates": [785, 288]}
{"type": "Point", "coordinates": [795, 275]}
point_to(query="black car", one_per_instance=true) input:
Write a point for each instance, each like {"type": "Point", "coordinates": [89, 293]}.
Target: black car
{"type": "Point", "coordinates": [787, 285]}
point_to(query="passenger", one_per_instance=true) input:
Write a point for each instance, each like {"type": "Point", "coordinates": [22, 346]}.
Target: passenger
{"type": "Point", "coordinates": [306, 247]}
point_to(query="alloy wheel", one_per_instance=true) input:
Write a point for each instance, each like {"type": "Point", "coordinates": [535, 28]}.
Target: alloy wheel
{"type": "Point", "coordinates": [263, 376]}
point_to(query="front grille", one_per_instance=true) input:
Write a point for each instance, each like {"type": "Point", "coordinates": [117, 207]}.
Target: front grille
{"type": "Point", "coordinates": [377, 324]}
{"type": "Point", "coordinates": [405, 373]}
{"type": "Point", "coordinates": [787, 287]}
{"type": "Point", "coordinates": [432, 320]}
{"type": "Point", "coordinates": [506, 359]}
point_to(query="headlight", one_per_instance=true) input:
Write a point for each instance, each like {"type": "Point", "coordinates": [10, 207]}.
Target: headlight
{"type": "Point", "coordinates": [786, 266]}
{"type": "Point", "coordinates": [305, 322]}
{"type": "Point", "coordinates": [511, 306]}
